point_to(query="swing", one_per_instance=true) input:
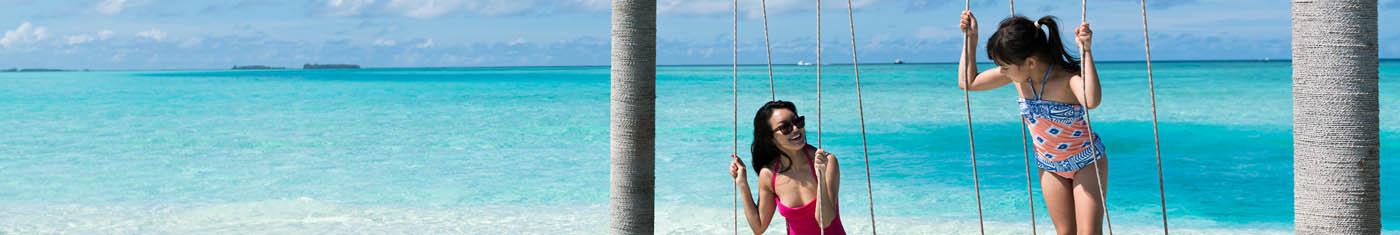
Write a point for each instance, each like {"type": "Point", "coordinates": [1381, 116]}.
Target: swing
{"type": "Point", "coordinates": [968, 105]}
{"type": "Point", "coordinates": [773, 96]}
{"type": "Point", "coordinates": [1026, 150]}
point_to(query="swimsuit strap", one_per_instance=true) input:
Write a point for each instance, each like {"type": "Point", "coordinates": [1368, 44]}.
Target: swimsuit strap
{"type": "Point", "coordinates": [811, 163]}
{"type": "Point", "coordinates": [774, 181]}
{"type": "Point", "coordinates": [1042, 82]}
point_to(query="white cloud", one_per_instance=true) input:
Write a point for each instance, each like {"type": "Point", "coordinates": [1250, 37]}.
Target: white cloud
{"type": "Point", "coordinates": [698, 6]}
{"type": "Point", "coordinates": [499, 7]}
{"type": "Point", "coordinates": [191, 42]}
{"type": "Point", "coordinates": [25, 34]}
{"type": "Point", "coordinates": [751, 9]}
{"type": "Point", "coordinates": [517, 41]}
{"type": "Point", "coordinates": [110, 7]}
{"type": "Point", "coordinates": [385, 43]}
{"type": "Point", "coordinates": [434, 8]}
{"type": "Point", "coordinates": [347, 7]}
{"type": "Point", "coordinates": [79, 39]}
{"type": "Point", "coordinates": [154, 34]}
{"type": "Point", "coordinates": [104, 34]}
{"type": "Point", "coordinates": [425, 44]}
{"type": "Point", "coordinates": [593, 4]}
{"type": "Point", "coordinates": [431, 8]}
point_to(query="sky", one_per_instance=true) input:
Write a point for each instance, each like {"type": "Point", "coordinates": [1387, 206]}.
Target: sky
{"type": "Point", "coordinates": [190, 34]}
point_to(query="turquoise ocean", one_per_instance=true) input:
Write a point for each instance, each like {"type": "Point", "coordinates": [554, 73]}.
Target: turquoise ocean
{"type": "Point", "coordinates": [524, 150]}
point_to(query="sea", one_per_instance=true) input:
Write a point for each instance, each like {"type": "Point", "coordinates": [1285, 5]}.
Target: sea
{"type": "Point", "coordinates": [525, 150]}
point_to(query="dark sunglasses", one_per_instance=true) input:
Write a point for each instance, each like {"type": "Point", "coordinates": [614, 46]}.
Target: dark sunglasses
{"type": "Point", "coordinates": [790, 126]}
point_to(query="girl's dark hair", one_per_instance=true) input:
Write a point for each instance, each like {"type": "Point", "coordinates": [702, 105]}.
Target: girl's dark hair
{"type": "Point", "coordinates": [763, 150]}
{"type": "Point", "coordinates": [1017, 38]}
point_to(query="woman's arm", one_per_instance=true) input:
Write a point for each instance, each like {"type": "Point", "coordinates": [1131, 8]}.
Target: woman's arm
{"type": "Point", "coordinates": [759, 214]}
{"type": "Point", "coordinates": [831, 182]}
{"type": "Point", "coordinates": [1086, 85]}
{"type": "Point", "coordinates": [831, 173]}
{"type": "Point", "coordinates": [967, 63]}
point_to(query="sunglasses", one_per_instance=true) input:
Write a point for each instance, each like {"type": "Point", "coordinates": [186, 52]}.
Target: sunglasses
{"type": "Point", "coordinates": [789, 127]}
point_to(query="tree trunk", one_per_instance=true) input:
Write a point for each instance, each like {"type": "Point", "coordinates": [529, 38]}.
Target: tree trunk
{"type": "Point", "coordinates": [633, 117]}
{"type": "Point", "coordinates": [1336, 169]}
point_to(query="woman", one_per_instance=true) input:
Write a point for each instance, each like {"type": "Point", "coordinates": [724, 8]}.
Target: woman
{"type": "Point", "coordinates": [787, 175]}
{"type": "Point", "coordinates": [1054, 95]}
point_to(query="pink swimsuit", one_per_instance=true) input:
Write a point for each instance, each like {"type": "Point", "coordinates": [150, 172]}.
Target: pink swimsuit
{"type": "Point", "coordinates": [803, 220]}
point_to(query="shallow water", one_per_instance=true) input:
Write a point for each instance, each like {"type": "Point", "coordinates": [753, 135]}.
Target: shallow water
{"type": "Point", "coordinates": [525, 150]}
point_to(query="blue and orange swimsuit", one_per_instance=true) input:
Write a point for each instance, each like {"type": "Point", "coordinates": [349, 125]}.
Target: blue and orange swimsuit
{"type": "Point", "coordinates": [1059, 134]}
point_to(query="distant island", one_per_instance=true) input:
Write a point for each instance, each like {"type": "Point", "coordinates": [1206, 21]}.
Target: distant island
{"type": "Point", "coordinates": [330, 66]}
{"type": "Point", "coordinates": [255, 67]}
{"type": "Point", "coordinates": [32, 70]}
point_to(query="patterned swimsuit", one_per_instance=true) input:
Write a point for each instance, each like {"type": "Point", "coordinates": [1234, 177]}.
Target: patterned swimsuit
{"type": "Point", "coordinates": [1059, 133]}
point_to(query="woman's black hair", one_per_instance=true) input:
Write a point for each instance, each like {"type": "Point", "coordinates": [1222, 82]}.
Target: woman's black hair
{"type": "Point", "coordinates": [1017, 38]}
{"type": "Point", "coordinates": [764, 151]}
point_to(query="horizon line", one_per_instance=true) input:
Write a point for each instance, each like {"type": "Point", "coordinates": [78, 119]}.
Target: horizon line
{"type": "Point", "coordinates": [12, 69]}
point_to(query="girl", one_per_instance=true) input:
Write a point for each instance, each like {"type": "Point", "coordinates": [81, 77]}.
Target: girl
{"type": "Point", "coordinates": [1054, 94]}
{"type": "Point", "coordinates": [787, 178]}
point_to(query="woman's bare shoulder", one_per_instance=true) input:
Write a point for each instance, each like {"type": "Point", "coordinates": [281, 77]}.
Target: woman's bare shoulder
{"type": "Point", "coordinates": [765, 178]}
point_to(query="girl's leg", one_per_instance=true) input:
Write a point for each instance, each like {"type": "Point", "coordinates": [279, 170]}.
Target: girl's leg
{"type": "Point", "coordinates": [1088, 206]}
{"type": "Point", "coordinates": [1059, 199]}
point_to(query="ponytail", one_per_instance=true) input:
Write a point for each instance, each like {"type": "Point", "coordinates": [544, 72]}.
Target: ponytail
{"type": "Point", "coordinates": [1053, 48]}
{"type": "Point", "coordinates": [1018, 38]}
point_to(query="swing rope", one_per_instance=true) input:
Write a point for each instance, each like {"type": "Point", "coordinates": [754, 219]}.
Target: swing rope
{"type": "Point", "coordinates": [977, 186]}
{"type": "Point", "coordinates": [1030, 196]}
{"type": "Point", "coordinates": [860, 107]}
{"type": "Point", "coordinates": [820, 191]}
{"type": "Point", "coordinates": [1152, 95]}
{"type": "Point", "coordinates": [1084, 18]}
{"type": "Point", "coordinates": [736, 111]}
{"type": "Point", "coordinates": [819, 74]}
{"type": "Point", "coordinates": [772, 92]}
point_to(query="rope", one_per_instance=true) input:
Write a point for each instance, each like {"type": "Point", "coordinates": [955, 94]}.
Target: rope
{"type": "Point", "coordinates": [1030, 196]}
{"type": "Point", "coordinates": [736, 110]}
{"type": "Point", "coordinates": [1084, 13]}
{"type": "Point", "coordinates": [819, 73]}
{"type": "Point", "coordinates": [820, 229]}
{"type": "Point", "coordinates": [860, 106]}
{"type": "Point", "coordinates": [977, 186]}
{"type": "Point", "coordinates": [769, 48]}
{"type": "Point", "coordinates": [1152, 95]}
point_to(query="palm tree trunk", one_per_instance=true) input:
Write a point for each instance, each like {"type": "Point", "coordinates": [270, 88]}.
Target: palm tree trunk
{"type": "Point", "coordinates": [1336, 169]}
{"type": "Point", "coordinates": [633, 117]}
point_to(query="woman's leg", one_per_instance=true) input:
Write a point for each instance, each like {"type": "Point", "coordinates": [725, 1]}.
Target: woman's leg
{"type": "Point", "coordinates": [1088, 206]}
{"type": "Point", "coordinates": [1059, 199]}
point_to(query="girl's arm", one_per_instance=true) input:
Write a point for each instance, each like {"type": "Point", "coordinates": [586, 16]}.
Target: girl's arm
{"type": "Point", "coordinates": [1086, 85]}
{"type": "Point", "coordinates": [967, 63]}
{"type": "Point", "coordinates": [831, 180]}
{"type": "Point", "coordinates": [759, 214]}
